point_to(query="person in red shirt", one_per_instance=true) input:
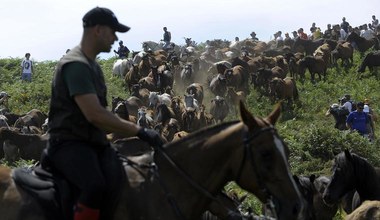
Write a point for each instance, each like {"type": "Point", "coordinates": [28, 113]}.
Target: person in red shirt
{"type": "Point", "coordinates": [301, 34]}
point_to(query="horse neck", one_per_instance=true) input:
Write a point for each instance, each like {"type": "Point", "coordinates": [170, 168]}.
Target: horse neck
{"type": "Point", "coordinates": [366, 180]}
{"type": "Point", "coordinates": [203, 156]}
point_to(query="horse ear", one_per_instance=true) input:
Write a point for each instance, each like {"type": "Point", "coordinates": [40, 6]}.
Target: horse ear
{"type": "Point", "coordinates": [296, 179]}
{"type": "Point", "coordinates": [247, 117]}
{"type": "Point", "coordinates": [312, 178]}
{"type": "Point", "coordinates": [348, 155]}
{"type": "Point", "coordinates": [275, 114]}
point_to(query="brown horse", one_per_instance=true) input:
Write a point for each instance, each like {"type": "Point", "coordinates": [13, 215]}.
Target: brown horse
{"type": "Point", "coordinates": [314, 65]}
{"type": "Point", "coordinates": [367, 211]}
{"type": "Point", "coordinates": [190, 172]}
{"type": "Point", "coordinates": [280, 89]}
{"type": "Point", "coordinates": [132, 77]}
{"type": "Point", "coordinates": [25, 146]}
{"type": "Point", "coordinates": [34, 117]}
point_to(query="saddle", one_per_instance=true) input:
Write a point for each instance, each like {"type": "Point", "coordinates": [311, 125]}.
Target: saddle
{"type": "Point", "coordinates": [51, 191]}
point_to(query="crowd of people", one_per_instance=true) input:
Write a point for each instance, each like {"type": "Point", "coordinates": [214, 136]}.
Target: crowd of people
{"type": "Point", "coordinates": [360, 117]}
{"type": "Point", "coordinates": [336, 32]}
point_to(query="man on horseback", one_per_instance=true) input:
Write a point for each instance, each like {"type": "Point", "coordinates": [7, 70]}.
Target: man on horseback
{"type": "Point", "coordinates": [166, 39]}
{"type": "Point", "coordinates": [78, 121]}
{"type": "Point", "coordinates": [122, 51]}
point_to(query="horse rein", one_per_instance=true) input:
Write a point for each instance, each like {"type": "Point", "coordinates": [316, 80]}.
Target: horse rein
{"type": "Point", "coordinates": [204, 191]}
{"type": "Point", "coordinates": [196, 185]}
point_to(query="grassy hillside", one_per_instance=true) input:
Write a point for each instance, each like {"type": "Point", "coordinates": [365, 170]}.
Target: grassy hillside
{"type": "Point", "coordinates": [310, 135]}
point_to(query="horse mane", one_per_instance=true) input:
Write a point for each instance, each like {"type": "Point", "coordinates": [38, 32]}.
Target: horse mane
{"type": "Point", "coordinates": [202, 134]}
{"type": "Point", "coordinates": [361, 166]}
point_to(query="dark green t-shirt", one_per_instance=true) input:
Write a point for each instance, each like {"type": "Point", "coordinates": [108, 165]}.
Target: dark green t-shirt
{"type": "Point", "coordinates": [78, 79]}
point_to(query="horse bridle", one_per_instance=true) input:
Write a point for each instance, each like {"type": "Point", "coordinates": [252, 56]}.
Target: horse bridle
{"type": "Point", "coordinates": [247, 154]}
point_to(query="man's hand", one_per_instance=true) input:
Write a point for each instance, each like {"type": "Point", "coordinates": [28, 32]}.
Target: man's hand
{"type": "Point", "coordinates": [151, 136]}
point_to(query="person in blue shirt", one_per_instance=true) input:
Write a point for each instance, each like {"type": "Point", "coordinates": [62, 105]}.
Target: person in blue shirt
{"type": "Point", "coordinates": [358, 120]}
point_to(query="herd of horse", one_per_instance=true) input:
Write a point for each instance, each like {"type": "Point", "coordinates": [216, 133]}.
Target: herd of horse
{"type": "Point", "coordinates": [186, 177]}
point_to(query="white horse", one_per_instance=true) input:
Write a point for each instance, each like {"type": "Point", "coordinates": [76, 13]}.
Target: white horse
{"type": "Point", "coordinates": [155, 99]}
{"type": "Point", "coordinates": [121, 67]}
{"type": "Point", "coordinates": [144, 120]}
{"type": "Point", "coordinates": [191, 102]}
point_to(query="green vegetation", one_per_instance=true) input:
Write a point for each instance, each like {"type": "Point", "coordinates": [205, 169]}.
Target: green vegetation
{"type": "Point", "coordinates": [310, 135]}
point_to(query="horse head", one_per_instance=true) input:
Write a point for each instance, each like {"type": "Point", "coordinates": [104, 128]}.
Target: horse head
{"type": "Point", "coordinates": [115, 102]}
{"type": "Point", "coordinates": [343, 177]}
{"type": "Point", "coordinates": [189, 117]}
{"type": "Point", "coordinates": [347, 169]}
{"type": "Point", "coordinates": [144, 120]}
{"type": "Point", "coordinates": [153, 99]}
{"type": "Point", "coordinates": [121, 110]}
{"type": "Point", "coordinates": [187, 72]}
{"type": "Point", "coordinates": [263, 160]}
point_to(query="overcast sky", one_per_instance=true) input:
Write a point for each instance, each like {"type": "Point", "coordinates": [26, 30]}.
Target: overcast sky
{"type": "Point", "coordinates": [46, 28]}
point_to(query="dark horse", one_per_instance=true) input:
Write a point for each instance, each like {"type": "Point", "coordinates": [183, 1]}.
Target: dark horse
{"type": "Point", "coordinates": [371, 60]}
{"type": "Point", "coordinates": [351, 172]}
{"type": "Point", "coordinates": [362, 44]}
{"type": "Point", "coordinates": [309, 45]}
{"type": "Point", "coordinates": [189, 173]}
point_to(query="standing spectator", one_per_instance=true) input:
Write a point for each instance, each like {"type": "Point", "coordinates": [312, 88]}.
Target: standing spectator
{"type": "Point", "coordinates": [367, 103]}
{"type": "Point", "coordinates": [288, 41]}
{"type": "Point", "coordinates": [279, 39]}
{"type": "Point", "coordinates": [344, 25]}
{"type": "Point", "coordinates": [122, 51]}
{"type": "Point", "coordinates": [295, 35]}
{"type": "Point", "coordinates": [253, 36]}
{"type": "Point", "coordinates": [359, 121]}
{"type": "Point", "coordinates": [368, 34]}
{"type": "Point", "coordinates": [167, 37]}
{"type": "Point", "coordinates": [346, 103]}
{"type": "Point", "coordinates": [79, 120]}
{"type": "Point", "coordinates": [371, 127]}
{"type": "Point", "coordinates": [375, 22]}
{"type": "Point", "coordinates": [313, 27]}
{"type": "Point", "coordinates": [317, 34]}
{"type": "Point", "coordinates": [302, 35]}
{"type": "Point", "coordinates": [342, 33]}
{"type": "Point", "coordinates": [328, 32]}
{"type": "Point", "coordinates": [26, 68]}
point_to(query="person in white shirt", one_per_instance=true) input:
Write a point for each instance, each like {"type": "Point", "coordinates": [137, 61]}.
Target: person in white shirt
{"type": "Point", "coordinates": [366, 33]}
{"type": "Point", "coordinates": [346, 102]}
{"type": "Point", "coordinates": [343, 34]}
{"type": "Point", "coordinates": [26, 68]}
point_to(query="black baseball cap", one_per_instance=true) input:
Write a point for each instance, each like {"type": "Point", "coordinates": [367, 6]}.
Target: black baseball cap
{"type": "Point", "coordinates": [103, 16]}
